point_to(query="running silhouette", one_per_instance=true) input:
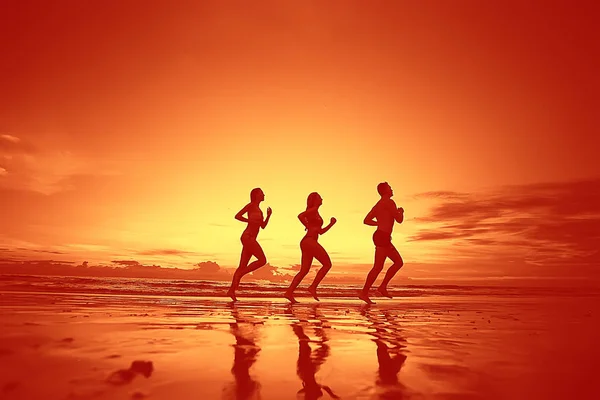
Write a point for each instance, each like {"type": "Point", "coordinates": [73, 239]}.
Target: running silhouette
{"type": "Point", "coordinates": [309, 362]}
{"type": "Point", "coordinates": [310, 246]}
{"type": "Point", "coordinates": [245, 354]}
{"type": "Point", "coordinates": [250, 246]}
{"type": "Point", "coordinates": [390, 354]}
{"type": "Point", "coordinates": [383, 215]}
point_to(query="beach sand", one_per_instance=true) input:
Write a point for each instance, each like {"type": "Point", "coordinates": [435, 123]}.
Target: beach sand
{"type": "Point", "coordinates": [74, 346]}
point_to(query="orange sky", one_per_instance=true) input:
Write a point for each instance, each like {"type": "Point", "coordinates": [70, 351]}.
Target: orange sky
{"type": "Point", "coordinates": [136, 130]}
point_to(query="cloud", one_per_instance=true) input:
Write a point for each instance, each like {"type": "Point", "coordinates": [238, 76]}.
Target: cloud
{"type": "Point", "coordinates": [209, 267]}
{"type": "Point", "coordinates": [166, 252]}
{"type": "Point", "coordinates": [205, 270]}
{"type": "Point", "coordinates": [9, 138]}
{"type": "Point", "coordinates": [440, 195]}
{"type": "Point", "coordinates": [219, 225]}
{"type": "Point", "coordinates": [42, 251]}
{"type": "Point", "coordinates": [26, 166]}
{"type": "Point", "coordinates": [270, 273]}
{"type": "Point", "coordinates": [12, 145]}
{"type": "Point", "coordinates": [539, 223]}
{"type": "Point", "coordinates": [127, 263]}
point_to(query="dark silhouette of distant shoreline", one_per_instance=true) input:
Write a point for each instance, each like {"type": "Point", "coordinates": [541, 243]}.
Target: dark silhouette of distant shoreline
{"type": "Point", "coordinates": [211, 271]}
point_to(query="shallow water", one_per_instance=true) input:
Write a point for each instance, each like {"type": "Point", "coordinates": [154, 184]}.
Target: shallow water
{"type": "Point", "coordinates": [427, 347]}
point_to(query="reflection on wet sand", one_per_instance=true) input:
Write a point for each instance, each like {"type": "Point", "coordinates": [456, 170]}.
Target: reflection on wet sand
{"type": "Point", "coordinates": [310, 362]}
{"type": "Point", "coordinates": [246, 352]}
{"type": "Point", "coordinates": [65, 346]}
{"type": "Point", "coordinates": [391, 347]}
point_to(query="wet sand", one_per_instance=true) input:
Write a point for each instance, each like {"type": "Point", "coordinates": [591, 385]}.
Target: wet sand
{"type": "Point", "coordinates": [74, 346]}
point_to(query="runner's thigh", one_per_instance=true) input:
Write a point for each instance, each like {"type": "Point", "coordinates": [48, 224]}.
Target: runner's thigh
{"type": "Point", "coordinates": [394, 255]}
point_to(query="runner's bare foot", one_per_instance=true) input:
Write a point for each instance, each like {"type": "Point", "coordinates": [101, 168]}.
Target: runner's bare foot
{"type": "Point", "coordinates": [313, 292]}
{"type": "Point", "coordinates": [290, 297]}
{"type": "Point", "coordinates": [365, 297]}
{"type": "Point", "coordinates": [383, 291]}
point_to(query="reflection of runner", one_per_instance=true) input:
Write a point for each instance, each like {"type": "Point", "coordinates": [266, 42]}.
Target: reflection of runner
{"type": "Point", "coordinates": [310, 246]}
{"type": "Point", "coordinates": [309, 362]}
{"type": "Point", "coordinates": [390, 353]}
{"type": "Point", "coordinates": [250, 246]}
{"type": "Point", "coordinates": [383, 215]}
{"type": "Point", "coordinates": [245, 354]}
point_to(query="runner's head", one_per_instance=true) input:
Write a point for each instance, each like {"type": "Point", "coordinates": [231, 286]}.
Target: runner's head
{"type": "Point", "coordinates": [313, 200]}
{"type": "Point", "coordinates": [385, 190]}
{"type": "Point", "coordinates": [257, 195]}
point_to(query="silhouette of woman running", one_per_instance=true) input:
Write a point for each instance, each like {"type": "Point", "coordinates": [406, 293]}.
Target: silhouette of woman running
{"type": "Point", "coordinates": [250, 246]}
{"type": "Point", "coordinates": [310, 246]}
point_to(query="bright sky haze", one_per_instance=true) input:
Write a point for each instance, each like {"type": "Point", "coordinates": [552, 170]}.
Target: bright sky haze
{"type": "Point", "coordinates": [136, 130]}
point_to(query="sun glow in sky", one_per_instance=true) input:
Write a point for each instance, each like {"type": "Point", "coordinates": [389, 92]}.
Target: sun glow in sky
{"type": "Point", "coordinates": [137, 130]}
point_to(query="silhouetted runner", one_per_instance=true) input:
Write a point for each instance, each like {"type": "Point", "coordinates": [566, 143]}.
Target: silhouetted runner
{"type": "Point", "coordinates": [250, 246]}
{"type": "Point", "coordinates": [310, 246]}
{"type": "Point", "coordinates": [383, 215]}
